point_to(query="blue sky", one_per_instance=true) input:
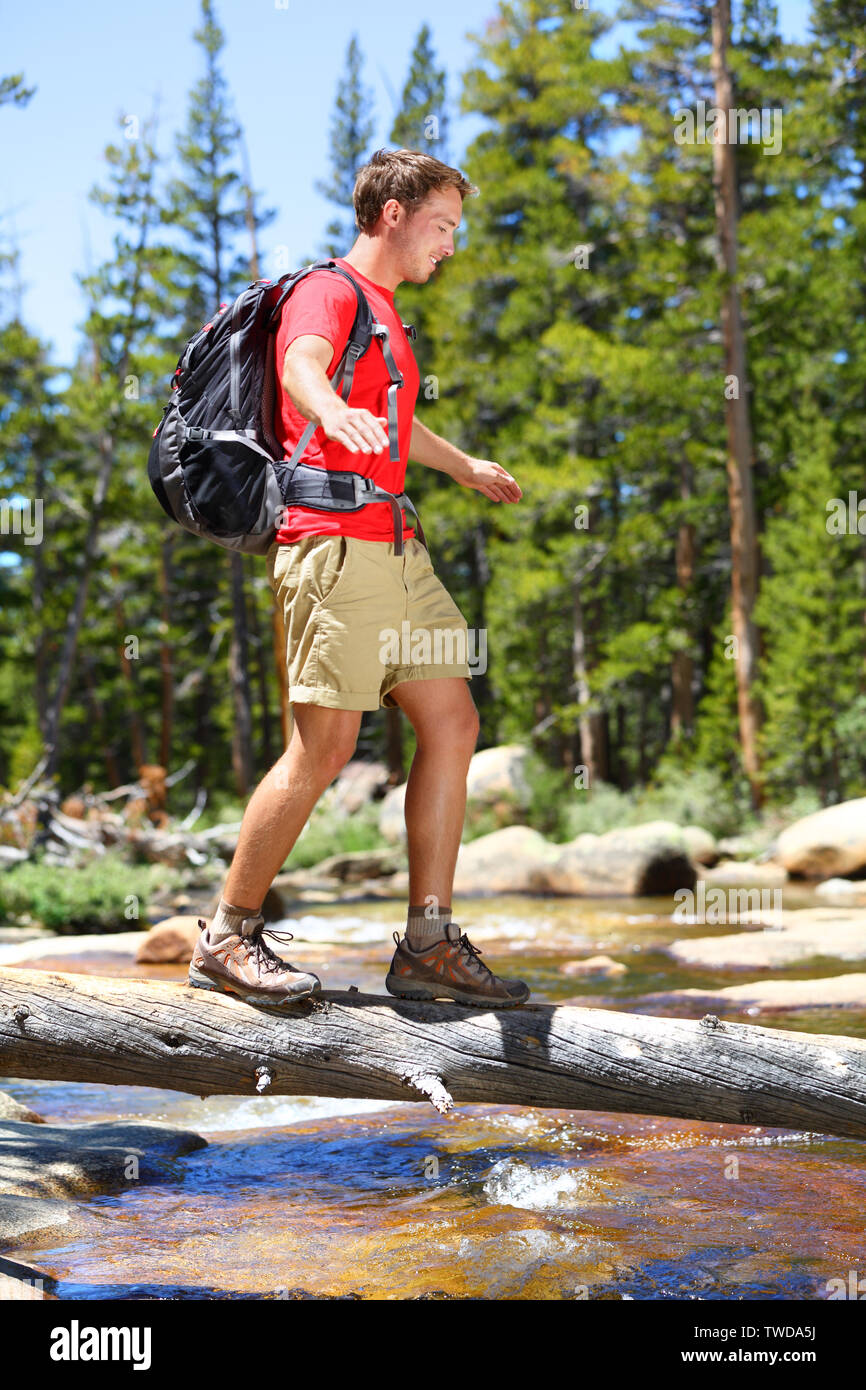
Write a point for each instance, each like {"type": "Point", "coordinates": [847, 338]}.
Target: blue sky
{"type": "Point", "coordinates": [96, 61]}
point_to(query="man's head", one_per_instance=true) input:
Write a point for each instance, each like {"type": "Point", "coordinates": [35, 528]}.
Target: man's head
{"type": "Point", "coordinates": [413, 203]}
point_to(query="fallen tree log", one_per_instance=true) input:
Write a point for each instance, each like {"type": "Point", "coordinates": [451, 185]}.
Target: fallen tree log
{"type": "Point", "coordinates": [61, 1027]}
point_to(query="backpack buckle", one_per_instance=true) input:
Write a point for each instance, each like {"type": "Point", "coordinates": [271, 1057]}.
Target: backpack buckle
{"type": "Point", "coordinates": [195, 432]}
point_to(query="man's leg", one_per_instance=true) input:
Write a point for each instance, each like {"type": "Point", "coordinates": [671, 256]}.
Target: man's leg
{"type": "Point", "coordinates": [231, 956]}
{"type": "Point", "coordinates": [322, 743]}
{"type": "Point", "coordinates": [446, 724]}
{"type": "Point", "coordinates": [436, 960]}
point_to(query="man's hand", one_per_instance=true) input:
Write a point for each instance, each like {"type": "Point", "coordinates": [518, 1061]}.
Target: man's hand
{"type": "Point", "coordinates": [491, 479]}
{"type": "Point", "coordinates": [359, 431]}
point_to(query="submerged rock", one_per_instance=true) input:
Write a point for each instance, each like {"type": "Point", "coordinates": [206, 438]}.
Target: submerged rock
{"type": "Point", "coordinates": [835, 992]}
{"type": "Point", "coordinates": [846, 892]}
{"type": "Point", "coordinates": [794, 937]}
{"type": "Point", "coordinates": [604, 967]}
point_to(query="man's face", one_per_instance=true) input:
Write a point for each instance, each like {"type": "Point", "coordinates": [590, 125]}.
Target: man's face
{"type": "Point", "coordinates": [423, 239]}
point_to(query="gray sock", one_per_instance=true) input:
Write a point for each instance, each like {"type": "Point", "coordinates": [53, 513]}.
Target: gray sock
{"type": "Point", "coordinates": [228, 920]}
{"type": "Point", "coordinates": [425, 930]}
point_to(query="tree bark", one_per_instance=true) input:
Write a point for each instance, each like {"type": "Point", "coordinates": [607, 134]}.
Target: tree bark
{"type": "Point", "coordinates": [144, 1033]}
{"type": "Point", "coordinates": [740, 459]}
{"type": "Point", "coordinates": [682, 673]}
{"type": "Point", "coordinates": [166, 668]}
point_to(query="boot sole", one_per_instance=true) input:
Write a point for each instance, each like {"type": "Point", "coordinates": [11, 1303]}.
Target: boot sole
{"type": "Point", "coordinates": [200, 981]}
{"type": "Point", "coordinates": [428, 993]}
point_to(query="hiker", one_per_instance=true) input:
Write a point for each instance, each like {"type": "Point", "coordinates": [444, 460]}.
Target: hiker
{"type": "Point", "coordinates": [346, 580]}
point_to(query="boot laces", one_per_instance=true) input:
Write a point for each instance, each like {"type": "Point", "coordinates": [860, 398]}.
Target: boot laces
{"type": "Point", "coordinates": [267, 960]}
{"type": "Point", "coordinates": [474, 952]}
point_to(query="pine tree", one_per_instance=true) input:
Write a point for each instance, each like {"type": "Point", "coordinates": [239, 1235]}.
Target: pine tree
{"type": "Point", "coordinates": [422, 121]}
{"type": "Point", "coordinates": [352, 126]}
{"type": "Point", "coordinates": [209, 204]}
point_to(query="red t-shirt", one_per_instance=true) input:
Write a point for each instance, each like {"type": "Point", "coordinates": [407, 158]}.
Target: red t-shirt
{"type": "Point", "coordinates": [324, 304]}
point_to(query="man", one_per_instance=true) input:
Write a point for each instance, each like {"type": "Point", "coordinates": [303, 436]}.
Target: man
{"type": "Point", "coordinates": [342, 589]}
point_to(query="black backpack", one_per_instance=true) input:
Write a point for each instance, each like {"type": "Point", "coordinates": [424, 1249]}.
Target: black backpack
{"type": "Point", "coordinates": [214, 463]}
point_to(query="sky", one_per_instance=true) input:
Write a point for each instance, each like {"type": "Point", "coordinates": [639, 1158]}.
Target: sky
{"type": "Point", "coordinates": [95, 62]}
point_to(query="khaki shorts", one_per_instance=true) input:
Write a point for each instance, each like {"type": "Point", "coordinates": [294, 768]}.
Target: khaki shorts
{"type": "Point", "coordinates": [360, 620]}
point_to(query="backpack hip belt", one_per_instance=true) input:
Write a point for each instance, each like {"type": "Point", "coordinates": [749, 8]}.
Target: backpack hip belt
{"type": "Point", "coordinates": [330, 490]}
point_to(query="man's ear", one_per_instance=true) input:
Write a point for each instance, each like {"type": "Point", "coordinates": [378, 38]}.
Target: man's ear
{"type": "Point", "coordinates": [393, 212]}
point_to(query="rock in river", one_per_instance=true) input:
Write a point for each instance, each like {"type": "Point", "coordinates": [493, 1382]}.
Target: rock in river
{"type": "Point", "coordinates": [828, 844]}
{"type": "Point", "coordinates": [637, 861]}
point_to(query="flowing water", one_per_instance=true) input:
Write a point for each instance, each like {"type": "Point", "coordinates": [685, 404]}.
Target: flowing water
{"type": "Point", "coordinates": [305, 1197]}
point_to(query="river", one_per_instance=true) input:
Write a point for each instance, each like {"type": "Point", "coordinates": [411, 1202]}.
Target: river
{"type": "Point", "coordinates": [305, 1197]}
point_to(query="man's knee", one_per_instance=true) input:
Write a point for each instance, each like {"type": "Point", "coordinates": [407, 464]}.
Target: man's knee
{"type": "Point", "coordinates": [457, 727]}
{"type": "Point", "coordinates": [327, 739]}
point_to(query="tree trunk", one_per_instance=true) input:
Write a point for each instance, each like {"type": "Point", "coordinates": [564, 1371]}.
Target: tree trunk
{"type": "Point", "coordinates": [145, 1033]}
{"type": "Point", "coordinates": [97, 714]}
{"type": "Point", "coordinates": [277, 619]}
{"type": "Point", "coordinates": [165, 654]}
{"type": "Point", "coordinates": [593, 745]}
{"type": "Point", "coordinates": [740, 460]}
{"type": "Point", "coordinates": [75, 617]}
{"type": "Point", "coordinates": [136, 732]}
{"type": "Point", "coordinates": [682, 673]}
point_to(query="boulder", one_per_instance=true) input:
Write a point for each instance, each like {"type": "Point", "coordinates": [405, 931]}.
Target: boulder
{"type": "Point", "coordinates": [42, 1165]}
{"type": "Point", "coordinates": [392, 826]}
{"type": "Point", "coordinates": [638, 861]}
{"type": "Point", "coordinates": [23, 1218]}
{"type": "Point", "coordinates": [358, 865]}
{"type": "Point", "coordinates": [744, 873]}
{"type": "Point", "coordinates": [64, 1160]}
{"type": "Point", "coordinates": [828, 844]}
{"type": "Point", "coordinates": [843, 892]}
{"type": "Point", "coordinates": [12, 1109]}
{"type": "Point", "coordinates": [357, 784]}
{"type": "Point", "coordinates": [701, 845]}
{"type": "Point", "coordinates": [495, 772]}
{"type": "Point", "coordinates": [600, 967]}
{"type": "Point", "coordinates": [505, 861]}
{"type": "Point", "coordinates": [170, 942]}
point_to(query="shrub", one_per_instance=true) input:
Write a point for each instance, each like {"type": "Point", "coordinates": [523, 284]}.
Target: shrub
{"type": "Point", "coordinates": [91, 897]}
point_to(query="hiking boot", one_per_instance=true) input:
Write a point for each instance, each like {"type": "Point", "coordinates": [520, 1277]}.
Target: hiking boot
{"type": "Point", "coordinates": [450, 969]}
{"type": "Point", "coordinates": [245, 966]}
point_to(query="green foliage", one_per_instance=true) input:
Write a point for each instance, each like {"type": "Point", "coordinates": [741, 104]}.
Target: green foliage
{"type": "Point", "coordinates": [352, 127]}
{"type": "Point", "coordinates": [330, 832]}
{"type": "Point", "coordinates": [93, 897]}
{"type": "Point", "coordinates": [575, 338]}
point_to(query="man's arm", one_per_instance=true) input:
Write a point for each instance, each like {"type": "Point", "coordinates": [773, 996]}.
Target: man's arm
{"type": "Point", "coordinates": [305, 379]}
{"type": "Point", "coordinates": [433, 451]}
